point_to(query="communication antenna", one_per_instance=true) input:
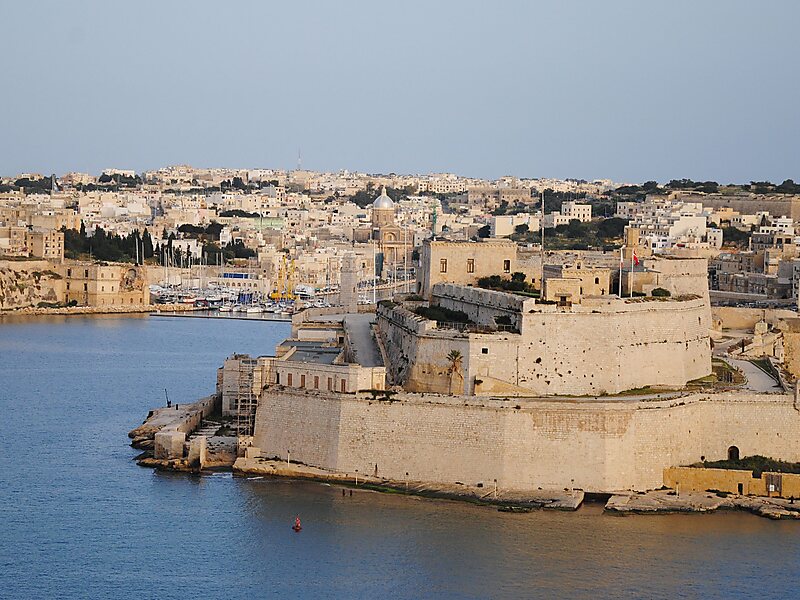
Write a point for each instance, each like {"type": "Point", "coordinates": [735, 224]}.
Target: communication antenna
{"type": "Point", "coordinates": [299, 160]}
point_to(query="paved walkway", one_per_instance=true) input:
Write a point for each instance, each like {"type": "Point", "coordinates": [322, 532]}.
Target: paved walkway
{"type": "Point", "coordinates": [757, 380]}
{"type": "Point", "coordinates": [360, 333]}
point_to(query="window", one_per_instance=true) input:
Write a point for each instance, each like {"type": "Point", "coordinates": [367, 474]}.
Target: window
{"type": "Point", "coordinates": [278, 378]}
{"type": "Point", "coordinates": [470, 265]}
{"type": "Point", "coordinates": [316, 382]}
{"type": "Point", "coordinates": [289, 379]}
{"type": "Point", "coordinates": [344, 385]}
{"type": "Point", "coordinates": [86, 273]}
{"type": "Point", "coordinates": [507, 266]}
{"type": "Point", "coordinates": [302, 381]}
{"type": "Point", "coordinates": [69, 272]}
{"type": "Point", "coordinates": [442, 265]}
{"type": "Point", "coordinates": [597, 281]}
{"type": "Point", "coordinates": [330, 384]}
{"type": "Point", "coordinates": [484, 351]}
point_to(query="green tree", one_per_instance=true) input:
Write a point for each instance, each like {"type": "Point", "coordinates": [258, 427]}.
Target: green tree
{"type": "Point", "coordinates": [611, 228]}
{"type": "Point", "coordinates": [454, 369]}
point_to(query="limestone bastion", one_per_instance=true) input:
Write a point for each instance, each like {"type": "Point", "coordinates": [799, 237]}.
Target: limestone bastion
{"type": "Point", "coordinates": [604, 345]}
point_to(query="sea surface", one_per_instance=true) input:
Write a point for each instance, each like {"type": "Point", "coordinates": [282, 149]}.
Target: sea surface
{"type": "Point", "coordinates": [79, 519]}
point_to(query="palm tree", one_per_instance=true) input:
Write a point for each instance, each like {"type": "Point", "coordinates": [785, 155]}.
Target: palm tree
{"type": "Point", "coordinates": [455, 359]}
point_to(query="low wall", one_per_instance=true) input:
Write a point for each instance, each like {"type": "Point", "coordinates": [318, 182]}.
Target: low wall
{"type": "Point", "coordinates": [700, 479]}
{"type": "Point", "coordinates": [480, 305]}
{"type": "Point", "coordinates": [523, 444]}
{"type": "Point", "coordinates": [732, 317]}
{"type": "Point", "coordinates": [169, 433]}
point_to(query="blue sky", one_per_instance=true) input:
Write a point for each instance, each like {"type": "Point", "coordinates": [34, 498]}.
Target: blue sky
{"type": "Point", "coordinates": [629, 90]}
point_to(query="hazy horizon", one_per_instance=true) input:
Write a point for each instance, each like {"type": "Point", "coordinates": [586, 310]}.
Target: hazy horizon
{"type": "Point", "coordinates": [621, 90]}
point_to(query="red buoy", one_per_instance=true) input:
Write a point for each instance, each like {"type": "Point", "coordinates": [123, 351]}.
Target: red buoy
{"type": "Point", "coordinates": [297, 526]}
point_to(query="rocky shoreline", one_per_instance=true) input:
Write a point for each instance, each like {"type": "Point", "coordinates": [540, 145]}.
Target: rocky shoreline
{"type": "Point", "coordinates": [98, 310]}
{"type": "Point", "coordinates": [668, 502]}
{"type": "Point", "coordinates": [505, 500]}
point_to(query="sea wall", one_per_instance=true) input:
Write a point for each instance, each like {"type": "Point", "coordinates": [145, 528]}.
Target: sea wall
{"type": "Point", "coordinates": [524, 444]}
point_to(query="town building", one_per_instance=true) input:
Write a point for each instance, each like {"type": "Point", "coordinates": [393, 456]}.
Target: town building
{"type": "Point", "coordinates": [464, 262]}
{"type": "Point", "coordinates": [575, 210]}
{"type": "Point", "coordinates": [104, 284]}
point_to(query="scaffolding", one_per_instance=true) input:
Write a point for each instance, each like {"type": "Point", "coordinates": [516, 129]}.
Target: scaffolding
{"type": "Point", "coordinates": [246, 400]}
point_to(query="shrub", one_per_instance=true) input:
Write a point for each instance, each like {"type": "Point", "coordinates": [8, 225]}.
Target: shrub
{"type": "Point", "coordinates": [439, 313]}
{"type": "Point", "coordinates": [660, 293]}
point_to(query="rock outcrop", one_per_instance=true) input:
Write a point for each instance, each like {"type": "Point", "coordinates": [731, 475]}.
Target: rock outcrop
{"type": "Point", "coordinates": [25, 284]}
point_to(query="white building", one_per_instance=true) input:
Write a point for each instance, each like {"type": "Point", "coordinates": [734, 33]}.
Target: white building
{"type": "Point", "coordinates": [504, 225]}
{"type": "Point", "coordinates": [574, 210]}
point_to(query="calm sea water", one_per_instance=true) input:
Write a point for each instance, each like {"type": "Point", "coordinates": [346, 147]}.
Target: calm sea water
{"type": "Point", "coordinates": [79, 519]}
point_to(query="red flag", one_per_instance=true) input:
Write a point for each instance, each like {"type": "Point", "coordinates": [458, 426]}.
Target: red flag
{"type": "Point", "coordinates": [635, 259]}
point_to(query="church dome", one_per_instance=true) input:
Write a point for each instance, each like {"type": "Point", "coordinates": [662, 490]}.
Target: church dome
{"type": "Point", "coordinates": [383, 201]}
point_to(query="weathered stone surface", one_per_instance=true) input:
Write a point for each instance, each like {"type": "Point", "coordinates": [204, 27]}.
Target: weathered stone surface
{"type": "Point", "coordinates": [169, 444]}
{"type": "Point", "coordinates": [484, 494]}
{"type": "Point", "coordinates": [667, 501]}
{"type": "Point", "coordinates": [597, 445]}
{"type": "Point", "coordinates": [25, 284]}
{"type": "Point", "coordinates": [102, 310]}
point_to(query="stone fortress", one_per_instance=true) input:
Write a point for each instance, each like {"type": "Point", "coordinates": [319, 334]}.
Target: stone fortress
{"type": "Point", "coordinates": [579, 389]}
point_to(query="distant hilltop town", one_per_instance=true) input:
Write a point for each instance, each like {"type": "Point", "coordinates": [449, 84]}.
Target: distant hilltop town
{"type": "Point", "coordinates": [272, 233]}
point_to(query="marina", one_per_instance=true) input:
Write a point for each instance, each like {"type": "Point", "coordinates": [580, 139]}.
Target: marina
{"type": "Point", "coordinates": [215, 314]}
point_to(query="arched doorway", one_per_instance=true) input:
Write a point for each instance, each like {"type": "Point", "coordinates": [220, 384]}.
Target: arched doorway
{"type": "Point", "coordinates": [733, 453]}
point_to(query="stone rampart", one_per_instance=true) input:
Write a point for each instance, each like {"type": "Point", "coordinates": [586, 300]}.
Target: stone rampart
{"type": "Point", "coordinates": [523, 444]}
{"type": "Point", "coordinates": [603, 346]}
{"type": "Point", "coordinates": [480, 305]}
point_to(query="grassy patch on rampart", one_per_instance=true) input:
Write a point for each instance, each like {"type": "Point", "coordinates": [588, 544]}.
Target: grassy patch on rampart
{"type": "Point", "coordinates": [757, 464]}
{"type": "Point", "coordinates": [440, 313]}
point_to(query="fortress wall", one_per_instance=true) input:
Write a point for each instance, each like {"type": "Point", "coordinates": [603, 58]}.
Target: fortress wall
{"type": "Point", "coordinates": [635, 345]}
{"type": "Point", "coordinates": [305, 424]}
{"type": "Point", "coordinates": [417, 351]}
{"type": "Point", "coordinates": [778, 205]}
{"type": "Point", "coordinates": [602, 347]}
{"type": "Point", "coordinates": [679, 276]}
{"type": "Point", "coordinates": [736, 317]}
{"type": "Point", "coordinates": [597, 446]}
{"type": "Point", "coordinates": [481, 306]}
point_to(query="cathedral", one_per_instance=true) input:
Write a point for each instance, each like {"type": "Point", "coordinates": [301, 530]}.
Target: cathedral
{"type": "Point", "coordinates": [392, 240]}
